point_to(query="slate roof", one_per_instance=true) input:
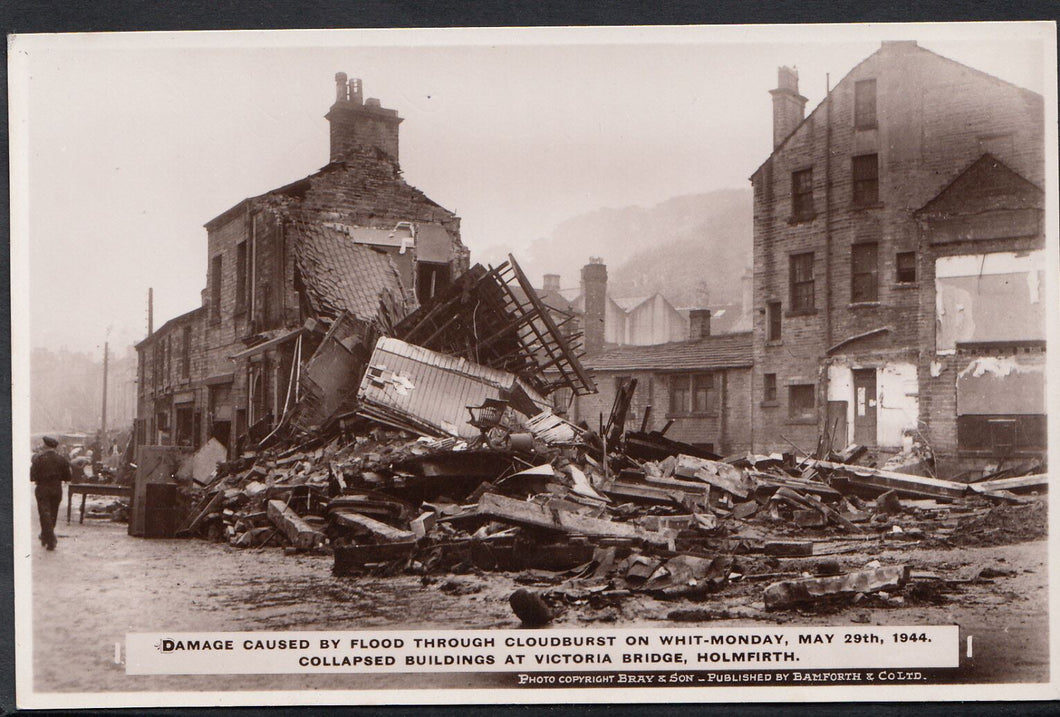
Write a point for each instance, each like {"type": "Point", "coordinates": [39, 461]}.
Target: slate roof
{"type": "Point", "coordinates": [342, 275]}
{"type": "Point", "coordinates": [985, 185]}
{"type": "Point", "coordinates": [712, 352]}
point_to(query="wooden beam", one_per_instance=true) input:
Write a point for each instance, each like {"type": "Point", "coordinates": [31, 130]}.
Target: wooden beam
{"type": "Point", "coordinates": [387, 533]}
{"type": "Point", "coordinates": [300, 533]}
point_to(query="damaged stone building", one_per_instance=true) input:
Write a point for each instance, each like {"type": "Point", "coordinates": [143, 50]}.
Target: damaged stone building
{"type": "Point", "coordinates": [898, 259]}
{"type": "Point", "coordinates": [353, 240]}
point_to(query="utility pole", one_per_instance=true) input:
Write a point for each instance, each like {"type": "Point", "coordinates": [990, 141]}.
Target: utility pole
{"type": "Point", "coordinates": [150, 311]}
{"type": "Point", "coordinates": [103, 427]}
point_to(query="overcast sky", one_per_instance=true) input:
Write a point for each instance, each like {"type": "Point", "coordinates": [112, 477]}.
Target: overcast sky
{"type": "Point", "coordinates": [133, 142]}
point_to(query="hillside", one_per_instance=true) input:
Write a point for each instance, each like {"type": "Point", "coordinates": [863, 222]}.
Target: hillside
{"type": "Point", "coordinates": [691, 248]}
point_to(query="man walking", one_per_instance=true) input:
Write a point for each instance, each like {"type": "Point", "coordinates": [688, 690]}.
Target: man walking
{"type": "Point", "coordinates": [48, 471]}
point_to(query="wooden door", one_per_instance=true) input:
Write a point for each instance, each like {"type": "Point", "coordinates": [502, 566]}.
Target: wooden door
{"type": "Point", "coordinates": [865, 406]}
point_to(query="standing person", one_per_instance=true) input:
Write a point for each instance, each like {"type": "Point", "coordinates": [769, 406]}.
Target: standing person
{"type": "Point", "coordinates": [48, 471]}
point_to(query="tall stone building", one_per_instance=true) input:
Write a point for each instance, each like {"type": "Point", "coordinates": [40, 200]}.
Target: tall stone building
{"type": "Point", "coordinates": [353, 239]}
{"type": "Point", "coordinates": [898, 234]}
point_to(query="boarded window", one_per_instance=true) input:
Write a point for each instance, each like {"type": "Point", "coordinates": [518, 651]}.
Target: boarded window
{"type": "Point", "coordinates": [865, 104]}
{"type": "Point", "coordinates": [773, 321]}
{"type": "Point", "coordinates": [802, 282]}
{"type": "Point", "coordinates": [1001, 435]}
{"type": "Point", "coordinates": [801, 400]}
{"type": "Point", "coordinates": [802, 194]}
{"type": "Point", "coordinates": [905, 267]}
{"type": "Point", "coordinates": [864, 272]}
{"type": "Point", "coordinates": [241, 276]}
{"type": "Point", "coordinates": [866, 179]}
{"type": "Point", "coordinates": [769, 387]}
{"type": "Point", "coordinates": [215, 288]}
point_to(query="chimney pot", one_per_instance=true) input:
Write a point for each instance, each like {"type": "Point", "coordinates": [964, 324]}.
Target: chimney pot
{"type": "Point", "coordinates": [353, 129]}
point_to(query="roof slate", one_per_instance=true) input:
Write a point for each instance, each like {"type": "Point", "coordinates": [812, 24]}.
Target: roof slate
{"type": "Point", "coordinates": [712, 352]}
{"type": "Point", "coordinates": [341, 275]}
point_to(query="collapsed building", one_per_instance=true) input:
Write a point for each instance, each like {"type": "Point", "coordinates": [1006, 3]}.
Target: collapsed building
{"type": "Point", "coordinates": [898, 254]}
{"type": "Point", "coordinates": [353, 238]}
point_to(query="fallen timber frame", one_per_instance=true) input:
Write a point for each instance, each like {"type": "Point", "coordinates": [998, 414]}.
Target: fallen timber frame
{"type": "Point", "coordinates": [495, 318]}
{"type": "Point", "coordinates": [902, 483]}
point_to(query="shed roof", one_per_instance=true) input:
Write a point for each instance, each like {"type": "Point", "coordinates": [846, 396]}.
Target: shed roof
{"type": "Point", "coordinates": [712, 352]}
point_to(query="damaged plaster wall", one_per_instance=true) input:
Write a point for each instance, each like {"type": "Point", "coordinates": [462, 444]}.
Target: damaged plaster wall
{"type": "Point", "coordinates": [989, 297]}
{"type": "Point", "coordinates": [1011, 385]}
{"type": "Point", "coordinates": [897, 400]}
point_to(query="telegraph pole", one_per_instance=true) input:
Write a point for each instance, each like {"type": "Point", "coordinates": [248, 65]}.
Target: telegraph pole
{"type": "Point", "coordinates": [106, 351]}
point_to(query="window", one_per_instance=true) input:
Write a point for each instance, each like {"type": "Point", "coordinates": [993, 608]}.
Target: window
{"type": "Point", "coordinates": [703, 393]}
{"type": "Point", "coordinates": [801, 400]}
{"type": "Point", "coordinates": [692, 393]}
{"type": "Point", "coordinates": [866, 179]}
{"type": "Point", "coordinates": [215, 288]}
{"type": "Point", "coordinates": [802, 282]}
{"type": "Point", "coordinates": [905, 267]}
{"type": "Point", "coordinates": [865, 104]}
{"type": "Point", "coordinates": [241, 276]}
{"type": "Point", "coordinates": [159, 357]}
{"type": "Point", "coordinates": [431, 279]}
{"type": "Point", "coordinates": [802, 194]}
{"type": "Point", "coordinates": [680, 390]}
{"type": "Point", "coordinates": [185, 356]}
{"type": "Point", "coordinates": [561, 400]}
{"type": "Point", "coordinates": [773, 321]}
{"type": "Point", "coordinates": [863, 273]}
{"type": "Point", "coordinates": [769, 387]}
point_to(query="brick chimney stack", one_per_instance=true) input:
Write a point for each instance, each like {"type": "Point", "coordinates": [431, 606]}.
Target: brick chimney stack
{"type": "Point", "coordinates": [357, 123]}
{"type": "Point", "coordinates": [747, 282]}
{"type": "Point", "coordinates": [789, 106]}
{"type": "Point", "coordinates": [551, 282]}
{"type": "Point", "coordinates": [594, 294]}
{"type": "Point", "coordinates": [698, 324]}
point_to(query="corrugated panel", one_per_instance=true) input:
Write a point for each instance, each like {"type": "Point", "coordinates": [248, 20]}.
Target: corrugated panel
{"type": "Point", "coordinates": [430, 388]}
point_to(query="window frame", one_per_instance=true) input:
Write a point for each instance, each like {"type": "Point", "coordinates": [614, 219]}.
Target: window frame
{"type": "Point", "coordinates": [803, 412]}
{"type": "Point", "coordinates": [862, 195]}
{"type": "Point", "coordinates": [242, 283]}
{"type": "Point", "coordinates": [774, 321]}
{"type": "Point", "coordinates": [687, 385]}
{"type": "Point", "coordinates": [898, 268]}
{"type": "Point", "coordinates": [802, 290]}
{"type": "Point", "coordinates": [865, 104]}
{"type": "Point", "coordinates": [216, 267]}
{"type": "Point", "coordinates": [861, 278]}
{"type": "Point", "coordinates": [769, 388]}
{"type": "Point", "coordinates": [185, 353]}
{"type": "Point", "coordinates": [802, 207]}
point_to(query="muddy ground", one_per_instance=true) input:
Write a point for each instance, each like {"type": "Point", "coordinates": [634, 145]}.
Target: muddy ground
{"type": "Point", "coordinates": [101, 584]}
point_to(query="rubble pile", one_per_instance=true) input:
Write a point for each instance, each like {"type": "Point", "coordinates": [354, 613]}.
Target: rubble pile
{"type": "Point", "coordinates": [435, 463]}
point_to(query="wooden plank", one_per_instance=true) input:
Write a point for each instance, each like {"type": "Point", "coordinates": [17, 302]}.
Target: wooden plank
{"type": "Point", "coordinates": [904, 483]}
{"type": "Point", "coordinates": [297, 530]}
{"type": "Point", "coordinates": [788, 593]}
{"type": "Point", "coordinates": [1012, 484]}
{"type": "Point", "coordinates": [386, 533]}
{"type": "Point", "coordinates": [539, 516]}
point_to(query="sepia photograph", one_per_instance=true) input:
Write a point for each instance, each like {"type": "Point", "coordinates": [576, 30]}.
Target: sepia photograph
{"type": "Point", "coordinates": [636, 364]}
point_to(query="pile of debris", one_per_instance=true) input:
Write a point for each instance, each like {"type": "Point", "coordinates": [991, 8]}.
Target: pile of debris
{"type": "Point", "coordinates": [439, 452]}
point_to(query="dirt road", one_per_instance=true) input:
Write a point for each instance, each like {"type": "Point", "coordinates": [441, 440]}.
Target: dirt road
{"type": "Point", "coordinates": [101, 584]}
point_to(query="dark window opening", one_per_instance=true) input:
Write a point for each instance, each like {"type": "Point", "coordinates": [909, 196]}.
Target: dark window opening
{"type": "Point", "coordinates": [864, 273]}
{"type": "Point", "coordinates": [801, 400]}
{"type": "Point", "coordinates": [430, 280]}
{"type": "Point", "coordinates": [185, 357]}
{"type": "Point", "coordinates": [769, 387]}
{"type": "Point", "coordinates": [185, 432]}
{"type": "Point", "coordinates": [866, 179]}
{"type": "Point", "coordinates": [773, 321]}
{"type": "Point", "coordinates": [802, 194]}
{"type": "Point", "coordinates": [865, 104]}
{"type": "Point", "coordinates": [621, 382]}
{"type": "Point", "coordinates": [241, 276]}
{"type": "Point", "coordinates": [905, 267]}
{"type": "Point", "coordinates": [802, 282]}
{"type": "Point", "coordinates": [215, 288]}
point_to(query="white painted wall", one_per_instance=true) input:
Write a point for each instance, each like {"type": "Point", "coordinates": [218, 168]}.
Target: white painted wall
{"type": "Point", "coordinates": [897, 400]}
